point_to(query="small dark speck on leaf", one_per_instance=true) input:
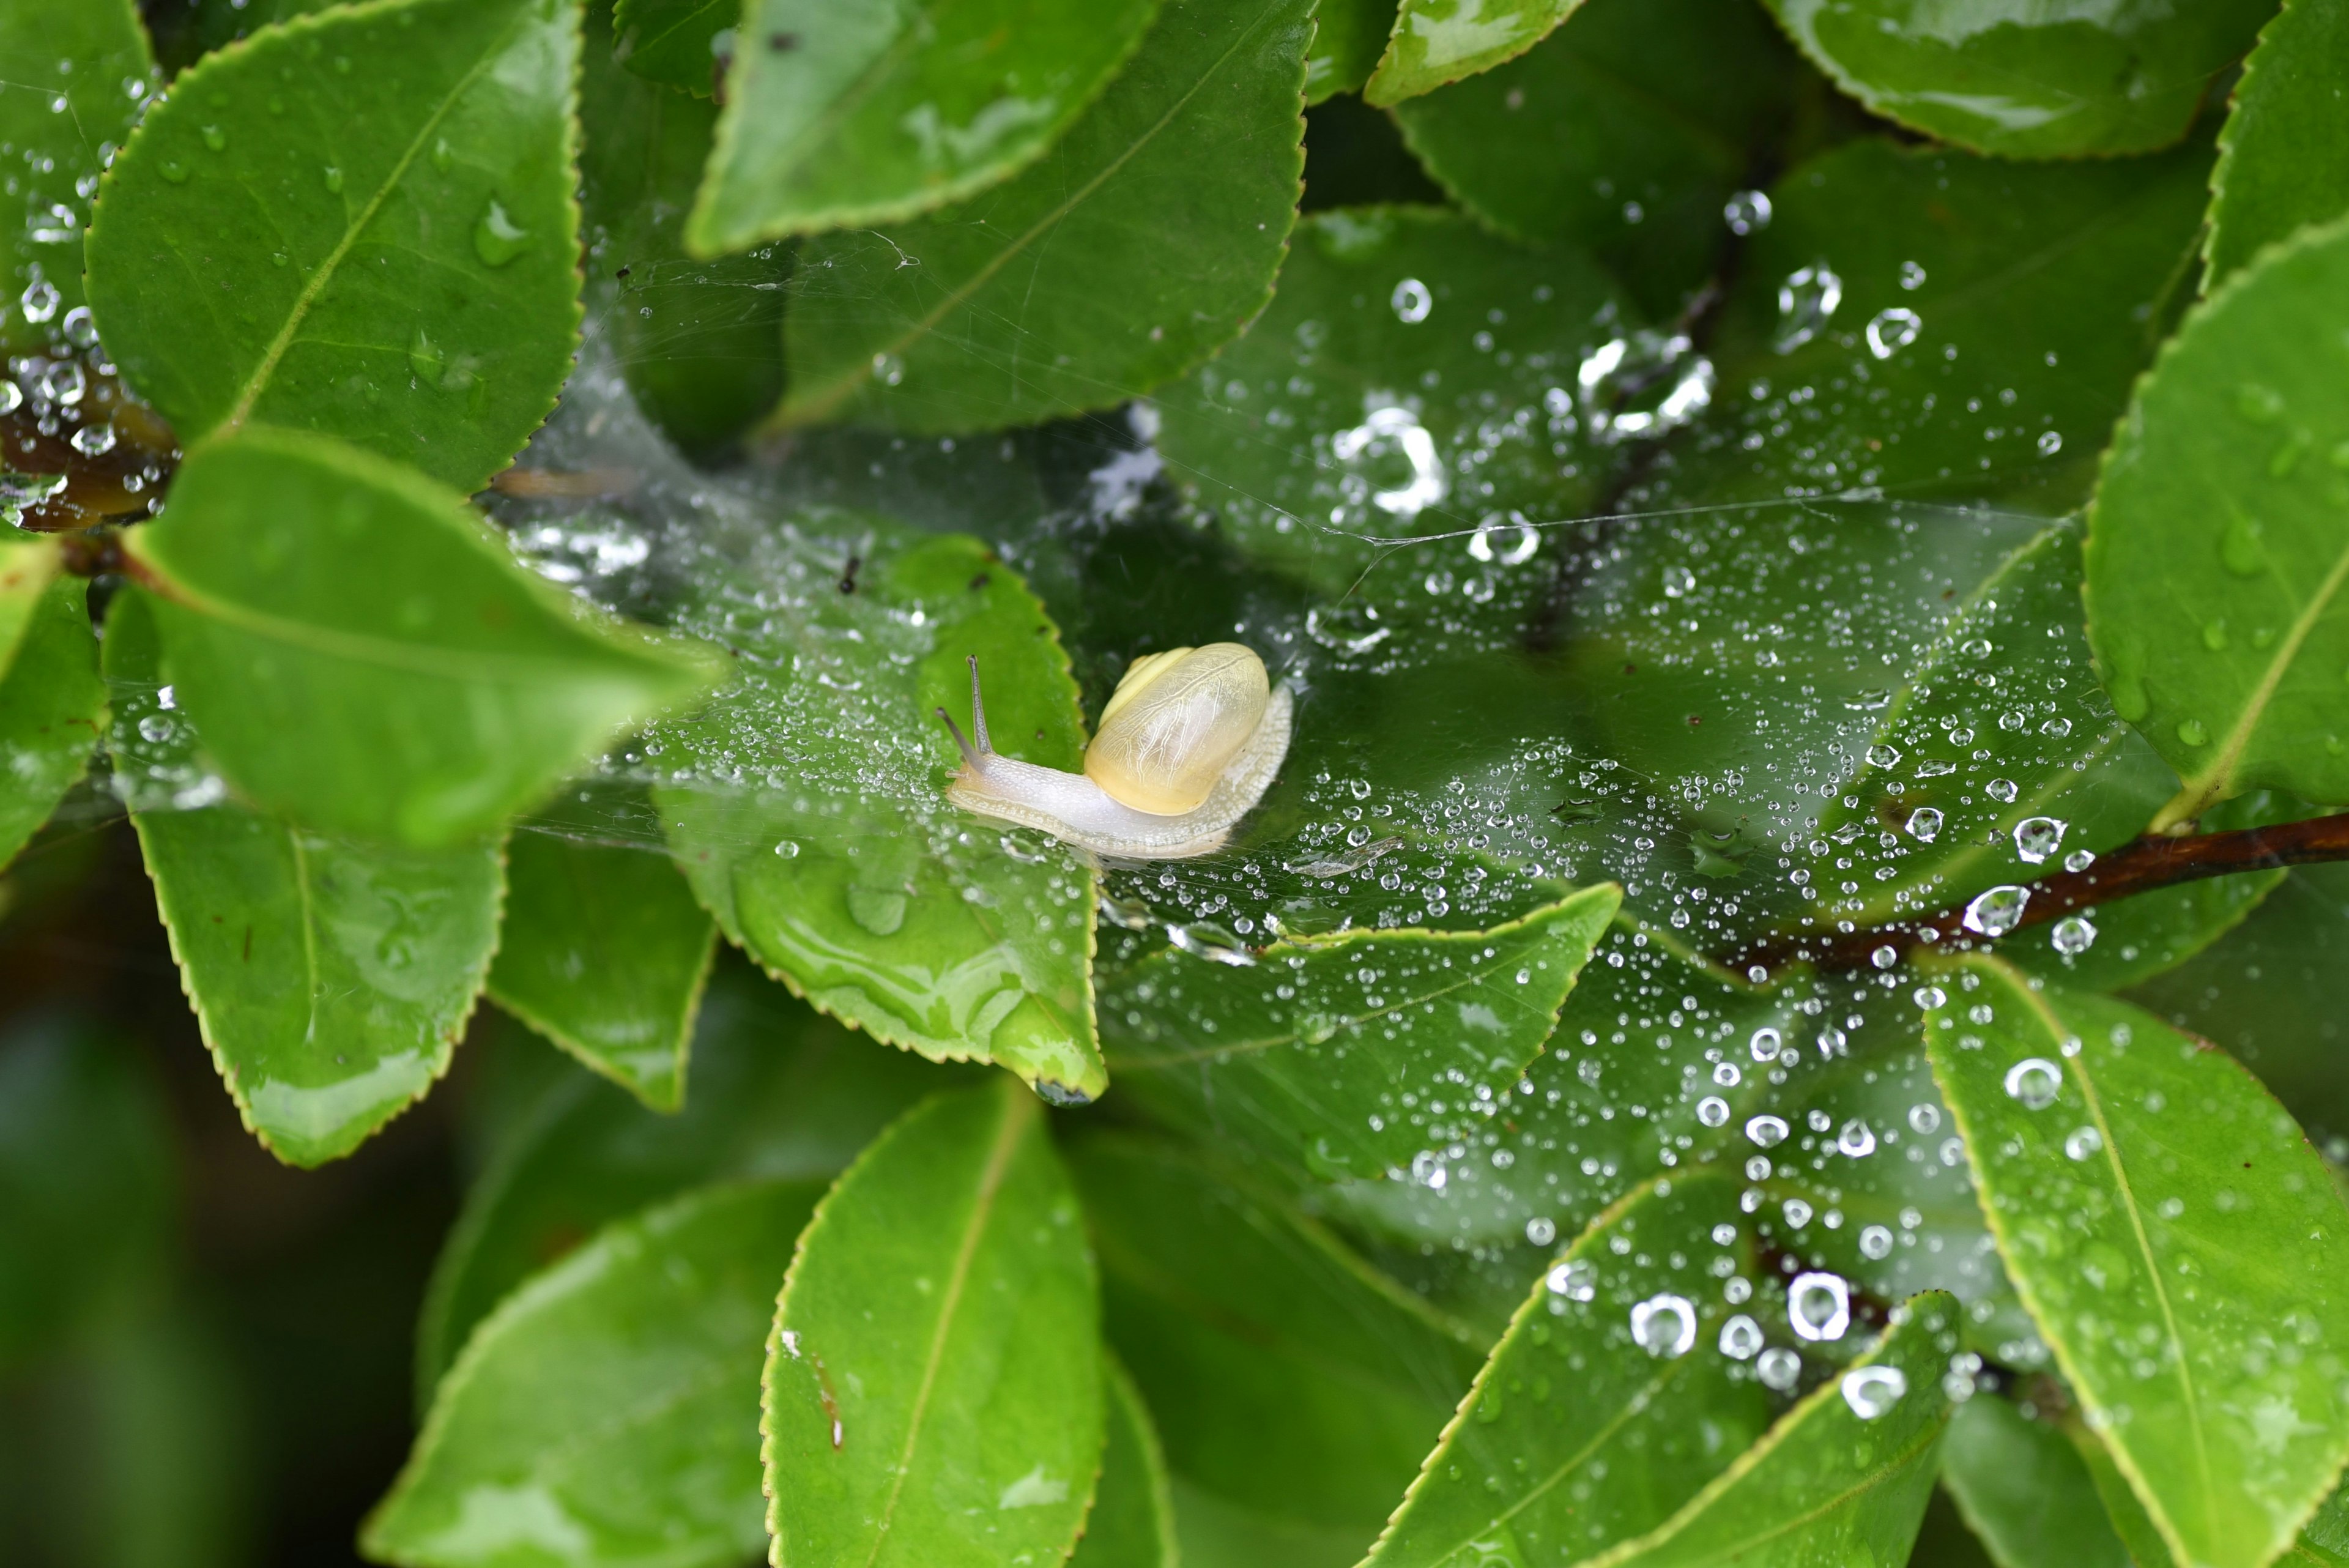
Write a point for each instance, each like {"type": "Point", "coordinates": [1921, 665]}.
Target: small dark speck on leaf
{"type": "Point", "coordinates": [1695, 721]}
{"type": "Point", "coordinates": [848, 577]}
{"type": "Point", "coordinates": [1630, 669]}
{"type": "Point", "coordinates": [622, 272]}
{"type": "Point", "coordinates": [783, 43]}
{"type": "Point", "coordinates": [979, 582]}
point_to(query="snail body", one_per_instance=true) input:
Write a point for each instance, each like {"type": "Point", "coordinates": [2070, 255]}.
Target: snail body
{"type": "Point", "coordinates": [1186, 746]}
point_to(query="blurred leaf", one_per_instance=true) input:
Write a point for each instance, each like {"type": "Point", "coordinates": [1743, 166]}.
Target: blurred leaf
{"type": "Point", "coordinates": [1132, 1524]}
{"type": "Point", "coordinates": [1216, 1533]}
{"type": "Point", "coordinates": [2176, 1240]}
{"type": "Point", "coordinates": [876, 900]}
{"type": "Point", "coordinates": [1349, 35]}
{"type": "Point", "coordinates": [1578, 1434]}
{"type": "Point", "coordinates": [776, 1091]}
{"type": "Point", "coordinates": [65, 101]}
{"type": "Point", "coordinates": [1371, 399]}
{"type": "Point", "coordinates": [363, 654]}
{"type": "Point", "coordinates": [2024, 1490]}
{"type": "Point", "coordinates": [330, 980]}
{"type": "Point", "coordinates": [1440, 41]}
{"type": "Point", "coordinates": [604, 1412]}
{"type": "Point", "coordinates": [1625, 132]}
{"type": "Point", "coordinates": [52, 701]}
{"type": "Point", "coordinates": [2283, 153]}
{"type": "Point", "coordinates": [1349, 1055]}
{"type": "Point", "coordinates": [402, 234]}
{"type": "Point", "coordinates": [2216, 559]}
{"type": "Point", "coordinates": [675, 42]}
{"type": "Point", "coordinates": [2123, 1512]}
{"type": "Point", "coordinates": [2023, 82]}
{"type": "Point", "coordinates": [1149, 234]}
{"type": "Point", "coordinates": [1296, 1388]}
{"type": "Point", "coordinates": [839, 116]}
{"type": "Point", "coordinates": [604, 952]}
{"type": "Point", "coordinates": [932, 1385]}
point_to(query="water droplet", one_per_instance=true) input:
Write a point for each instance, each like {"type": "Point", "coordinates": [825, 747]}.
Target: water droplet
{"type": "Point", "coordinates": [1805, 300]}
{"type": "Point", "coordinates": [497, 240]}
{"type": "Point", "coordinates": [1741, 1337]}
{"type": "Point", "coordinates": [2079, 860]}
{"type": "Point", "coordinates": [1765, 1043]}
{"type": "Point", "coordinates": [425, 360]}
{"type": "Point", "coordinates": [2240, 548]}
{"type": "Point", "coordinates": [1889, 331]}
{"type": "Point", "coordinates": [1881, 755]}
{"type": "Point", "coordinates": [2034, 1082]}
{"type": "Point", "coordinates": [1746, 213]}
{"type": "Point", "coordinates": [2191, 732]}
{"type": "Point", "coordinates": [64, 382]}
{"type": "Point", "coordinates": [1384, 433]}
{"type": "Point", "coordinates": [1872, 1391]}
{"type": "Point", "coordinates": [1884, 957]}
{"type": "Point", "coordinates": [888, 369]}
{"type": "Point", "coordinates": [1779, 1368]}
{"type": "Point", "coordinates": [1576, 1281]}
{"type": "Point", "coordinates": [2037, 838]}
{"type": "Point", "coordinates": [2082, 1143]}
{"type": "Point", "coordinates": [173, 170]}
{"type": "Point", "coordinates": [1646, 384]}
{"type": "Point", "coordinates": [214, 137]}
{"type": "Point", "coordinates": [156, 728]}
{"type": "Point", "coordinates": [1349, 627]}
{"type": "Point", "coordinates": [1540, 1231]}
{"type": "Point", "coordinates": [1679, 582]}
{"type": "Point", "coordinates": [1997, 911]}
{"type": "Point", "coordinates": [881, 910]}
{"type": "Point", "coordinates": [1504, 543]}
{"type": "Point", "coordinates": [1856, 1139]}
{"type": "Point", "coordinates": [94, 441]}
{"type": "Point", "coordinates": [1818, 1306]}
{"type": "Point", "coordinates": [1925, 1116]}
{"type": "Point", "coordinates": [2050, 442]}
{"type": "Point", "coordinates": [444, 156]}
{"type": "Point", "coordinates": [1664, 1326]}
{"type": "Point", "coordinates": [334, 178]}
{"type": "Point", "coordinates": [1912, 277]}
{"type": "Point", "coordinates": [1924, 824]}
{"type": "Point", "coordinates": [1876, 1242]}
{"type": "Point", "coordinates": [81, 328]}
{"type": "Point", "coordinates": [39, 301]}
{"type": "Point", "coordinates": [2260, 405]}
{"type": "Point", "coordinates": [2001, 790]}
{"type": "Point", "coordinates": [1727, 1075]}
{"type": "Point", "coordinates": [1713, 1111]}
{"type": "Point", "coordinates": [1766, 1131]}
{"type": "Point", "coordinates": [12, 397]}
{"type": "Point", "coordinates": [2073, 934]}
{"type": "Point", "coordinates": [1412, 301]}
{"type": "Point", "coordinates": [1202, 938]}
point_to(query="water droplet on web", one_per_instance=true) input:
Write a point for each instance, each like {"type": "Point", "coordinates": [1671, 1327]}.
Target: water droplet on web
{"type": "Point", "coordinates": [888, 369]}
{"type": "Point", "coordinates": [1856, 1139]}
{"type": "Point", "coordinates": [2037, 838]}
{"type": "Point", "coordinates": [1881, 755]}
{"type": "Point", "coordinates": [1764, 1043]}
{"type": "Point", "coordinates": [2082, 1143]}
{"type": "Point", "coordinates": [1872, 1391]}
{"type": "Point", "coordinates": [1576, 1281]}
{"type": "Point", "coordinates": [1349, 627]}
{"type": "Point", "coordinates": [1746, 213]}
{"type": "Point", "coordinates": [1540, 1231]}
{"type": "Point", "coordinates": [1385, 433]}
{"type": "Point", "coordinates": [2033, 1083]}
{"type": "Point", "coordinates": [39, 300]}
{"type": "Point", "coordinates": [1741, 1337]}
{"type": "Point", "coordinates": [2079, 860]}
{"type": "Point", "coordinates": [1412, 301]}
{"type": "Point", "coordinates": [1779, 1368]}
{"type": "Point", "coordinates": [1889, 331]}
{"type": "Point", "coordinates": [1925, 1116]}
{"type": "Point", "coordinates": [2050, 442]}
{"type": "Point", "coordinates": [2073, 934]}
{"type": "Point", "coordinates": [1645, 384]}
{"type": "Point", "coordinates": [64, 382]}
{"type": "Point", "coordinates": [1713, 1111]}
{"type": "Point", "coordinates": [1727, 1075]}
{"type": "Point", "coordinates": [497, 239]}
{"type": "Point", "coordinates": [1506, 544]}
{"type": "Point", "coordinates": [1912, 277]}
{"type": "Point", "coordinates": [2001, 790]}
{"type": "Point", "coordinates": [94, 441]}
{"type": "Point", "coordinates": [1766, 1131]}
{"type": "Point", "coordinates": [1997, 911]}
{"type": "Point", "coordinates": [1679, 582]}
{"type": "Point", "coordinates": [1884, 957]}
{"type": "Point", "coordinates": [1818, 1306]}
{"type": "Point", "coordinates": [1664, 1326]}
{"type": "Point", "coordinates": [1924, 824]}
{"type": "Point", "coordinates": [1876, 1242]}
{"type": "Point", "coordinates": [12, 397]}
{"type": "Point", "coordinates": [1805, 300]}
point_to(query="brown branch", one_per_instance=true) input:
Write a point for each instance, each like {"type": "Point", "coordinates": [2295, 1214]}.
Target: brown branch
{"type": "Point", "coordinates": [2140, 867]}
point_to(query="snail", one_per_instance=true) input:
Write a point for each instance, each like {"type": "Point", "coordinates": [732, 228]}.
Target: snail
{"type": "Point", "coordinates": [1186, 745]}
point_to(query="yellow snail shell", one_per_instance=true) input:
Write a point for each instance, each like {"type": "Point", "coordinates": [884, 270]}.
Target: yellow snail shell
{"type": "Point", "coordinates": [1186, 746]}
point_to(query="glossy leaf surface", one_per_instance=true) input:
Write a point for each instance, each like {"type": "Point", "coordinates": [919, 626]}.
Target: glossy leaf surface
{"type": "Point", "coordinates": [1153, 227]}
{"type": "Point", "coordinates": [1348, 37]}
{"type": "Point", "coordinates": [2021, 81]}
{"type": "Point", "coordinates": [52, 701]}
{"type": "Point", "coordinates": [2025, 1492]}
{"type": "Point", "coordinates": [1132, 1523]}
{"type": "Point", "coordinates": [389, 187]}
{"type": "Point", "coordinates": [606, 1412]}
{"type": "Point", "coordinates": [1349, 1055]}
{"type": "Point", "coordinates": [839, 116]}
{"type": "Point", "coordinates": [365, 656]}
{"type": "Point", "coordinates": [2283, 154]}
{"type": "Point", "coordinates": [604, 951]}
{"type": "Point", "coordinates": [2217, 580]}
{"type": "Point", "coordinates": [1578, 1436]}
{"type": "Point", "coordinates": [933, 1387]}
{"type": "Point", "coordinates": [2177, 1241]}
{"type": "Point", "coordinates": [330, 980]}
{"type": "Point", "coordinates": [806, 802]}
{"type": "Point", "coordinates": [1440, 41]}
{"type": "Point", "coordinates": [675, 42]}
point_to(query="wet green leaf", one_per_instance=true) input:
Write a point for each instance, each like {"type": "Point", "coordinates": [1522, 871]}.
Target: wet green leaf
{"type": "Point", "coordinates": [1579, 1433]}
{"type": "Point", "coordinates": [51, 702]}
{"type": "Point", "coordinates": [389, 187]}
{"type": "Point", "coordinates": [604, 951]}
{"type": "Point", "coordinates": [680, 44]}
{"type": "Point", "coordinates": [2177, 1241]}
{"type": "Point", "coordinates": [840, 116]}
{"type": "Point", "coordinates": [1132, 1524]}
{"type": "Point", "coordinates": [1625, 132]}
{"type": "Point", "coordinates": [363, 654]}
{"type": "Point", "coordinates": [1440, 41]}
{"type": "Point", "coordinates": [331, 980]}
{"type": "Point", "coordinates": [2325, 1537]}
{"type": "Point", "coordinates": [932, 1386]}
{"type": "Point", "coordinates": [1348, 1055]}
{"type": "Point", "coordinates": [2018, 81]}
{"type": "Point", "coordinates": [1143, 241]}
{"type": "Point", "coordinates": [67, 97]}
{"type": "Point", "coordinates": [776, 1090]}
{"type": "Point", "coordinates": [806, 804]}
{"type": "Point", "coordinates": [2283, 154]}
{"type": "Point", "coordinates": [1297, 1389]}
{"type": "Point", "coordinates": [2024, 1490]}
{"type": "Point", "coordinates": [1348, 37]}
{"type": "Point", "coordinates": [1404, 381]}
{"type": "Point", "coordinates": [1842, 1477]}
{"type": "Point", "coordinates": [2216, 556]}
{"type": "Point", "coordinates": [607, 1411]}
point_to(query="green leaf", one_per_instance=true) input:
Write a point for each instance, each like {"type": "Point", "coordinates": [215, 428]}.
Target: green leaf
{"type": "Point", "coordinates": [1142, 243]}
{"type": "Point", "coordinates": [1132, 1524]}
{"type": "Point", "coordinates": [677, 43]}
{"type": "Point", "coordinates": [2325, 1538]}
{"type": "Point", "coordinates": [1828, 1484]}
{"type": "Point", "coordinates": [2014, 80]}
{"type": "Point", "coordinates": [2024, 1490]}
{"type": "Point", "coordinates": [2283, 153]}
{"type": "Point", "coordinates": [2126, 1515]}
{"type": "Point", "coordinates": [1297, 1387]}
{"type": "Point", "coordinates": [604, 1412]}
{"type": "Point", "coordinates": [66, 100]}
{"type": "Point", "coordinates": [604, 952]}
{"type": "Point", "coordinates": [933, 1385]}
{"type": "Point", "coordinates": [389, 187]}
{"type": "Point", "coordinates": [2216, 556]}
{"type": "Point", "coordinates": [1440, 41]}
{"type": "Point", "coordinates": [1626, 132]}
{"type": "Point", "coordinates": [1349, 1055]}
{"type": "Point", "coordinates": [806, 804]}
{"type": "Point", "coordinates": [1577, 1435]}
{"type": "Point", "coordinates": [839, 116]}
{"type": "Point", "coordinates": [52, 701]}
{"type": "Point", "coordinates": [1349, 35]}
{"type": "Point", "coordinates": [330, 980]}
{"type": "Point", "coordinates": [364, 655]}
{"type": "Point", "coordinates": [776, 1090]}
{"type": "Point", "coordinates": [1304, 436]}
{"type": "Point", "coordinates": [2177, 1241]}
